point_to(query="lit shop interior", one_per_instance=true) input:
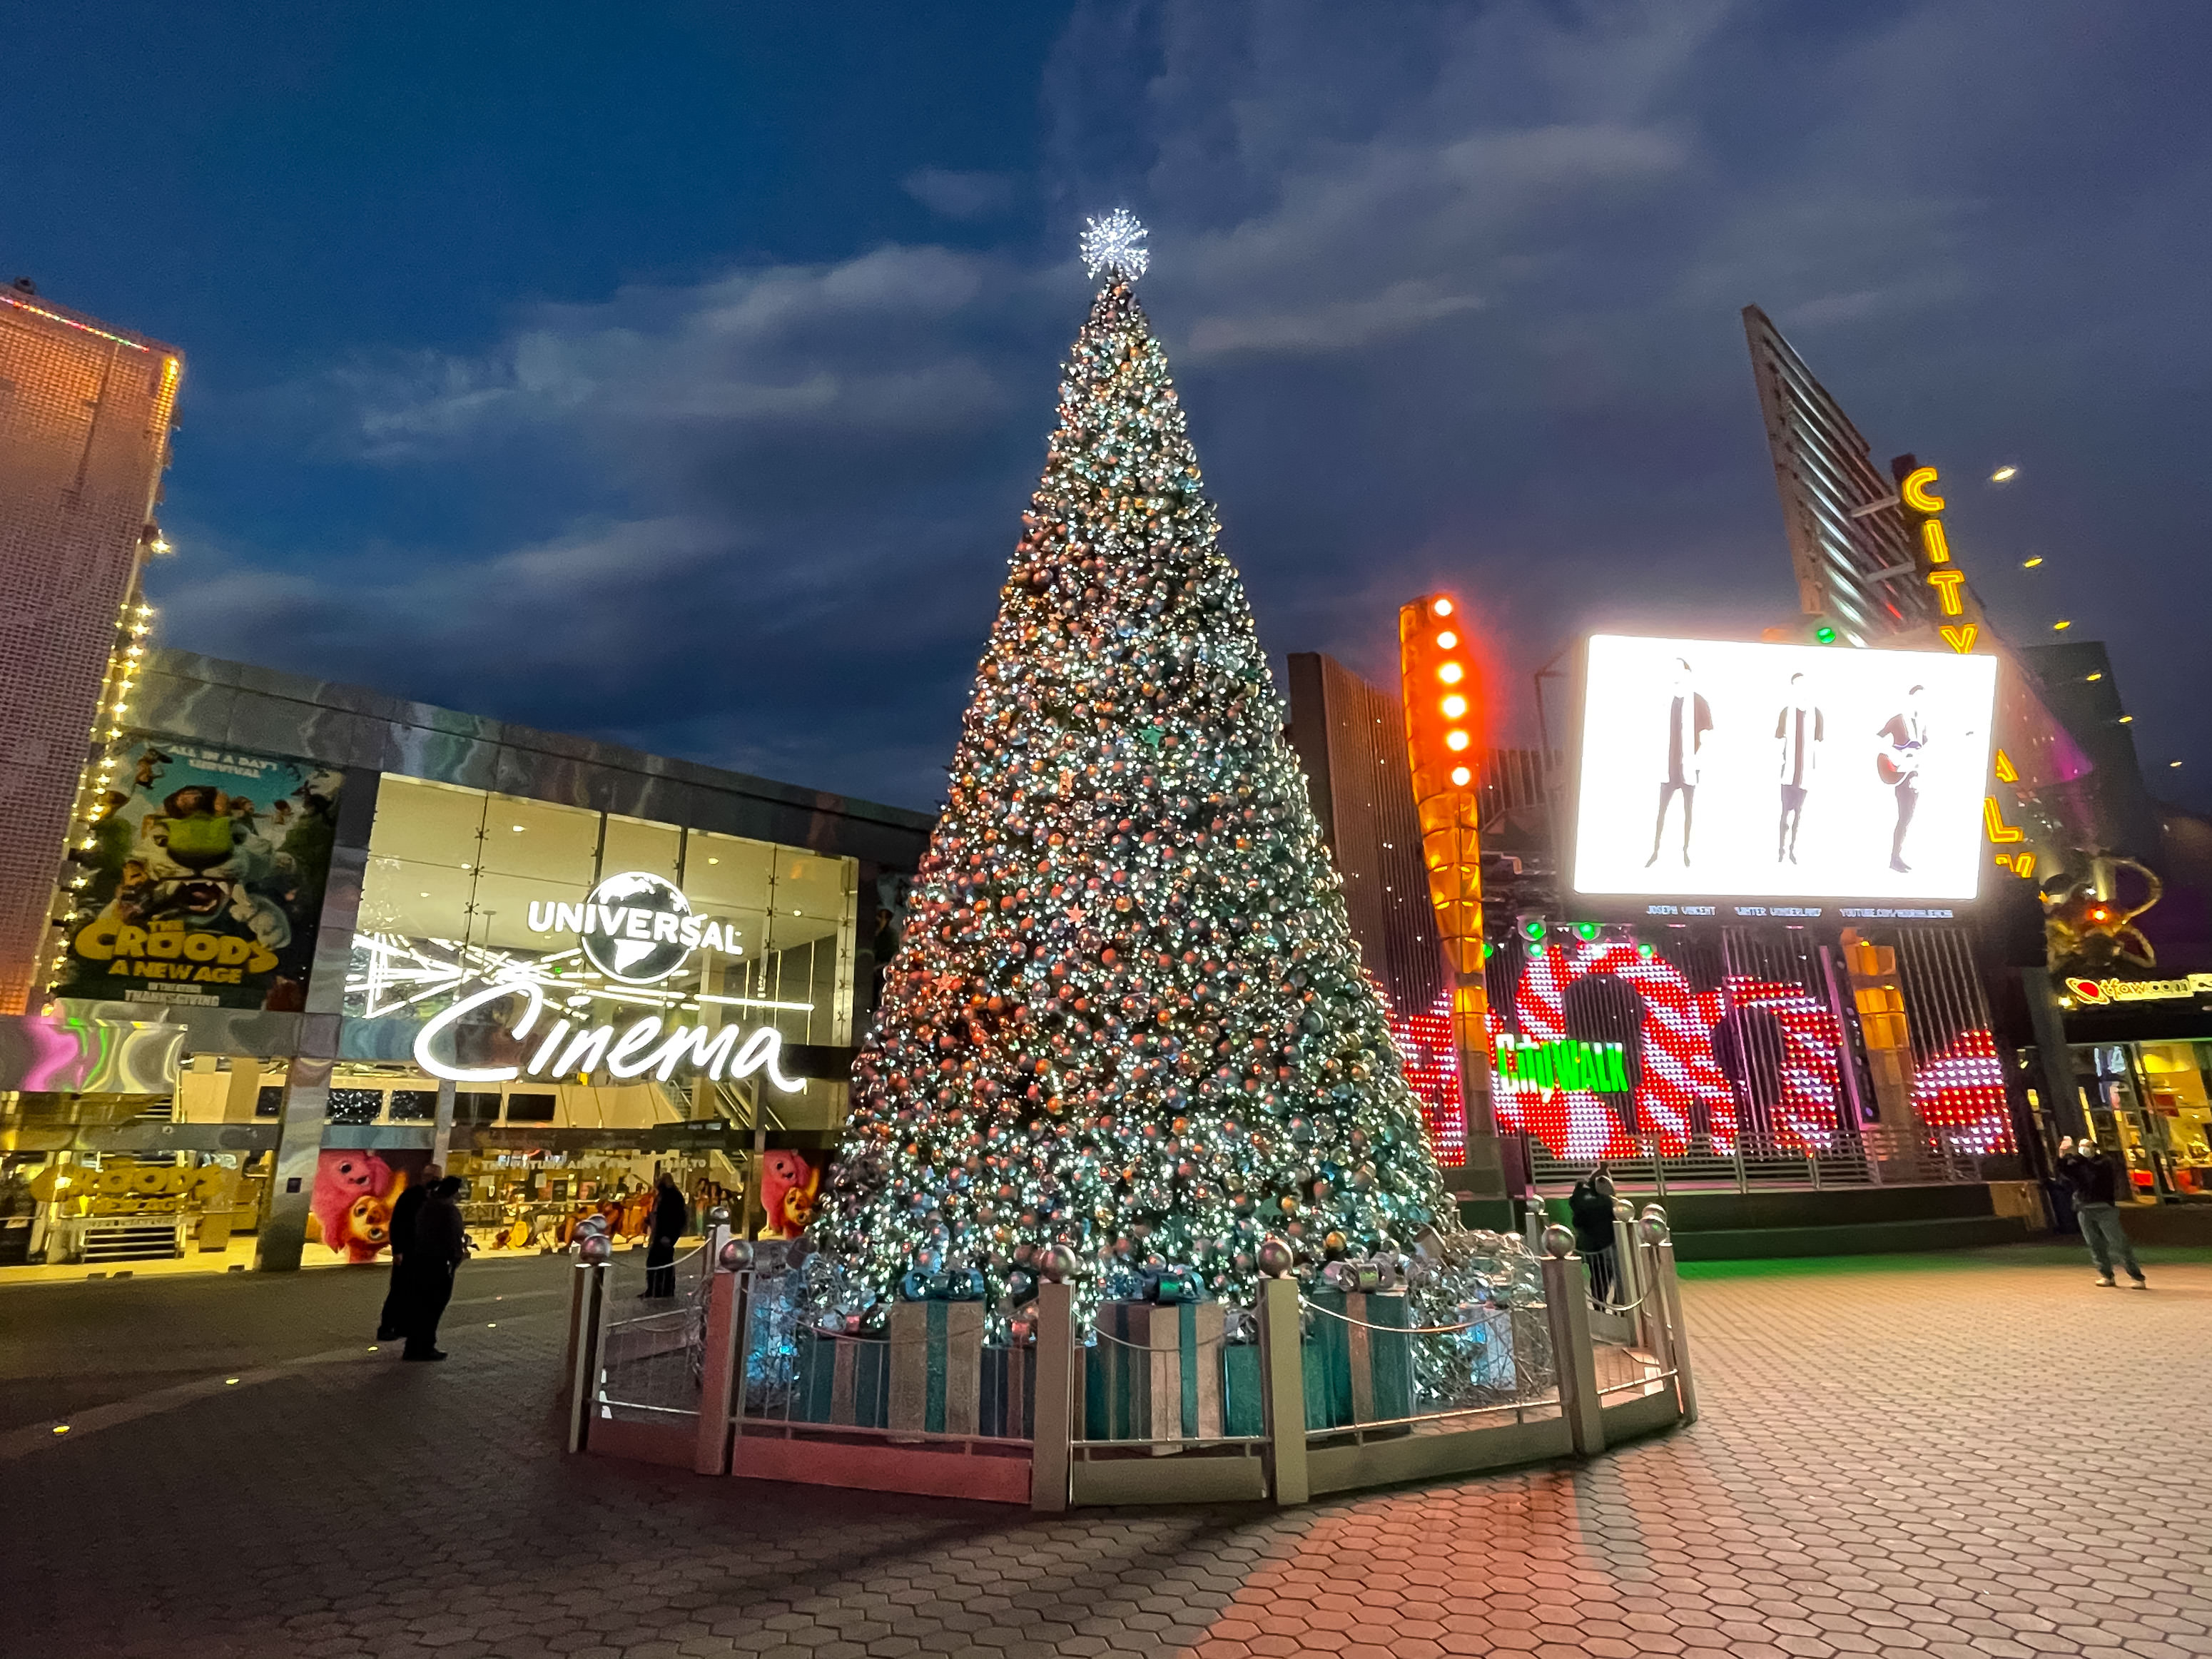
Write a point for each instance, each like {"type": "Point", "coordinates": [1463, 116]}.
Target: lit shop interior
{"type": "Point", "coordinates": [464, 889]}
{"type": "Point", "coordinates": [2149, 1102]}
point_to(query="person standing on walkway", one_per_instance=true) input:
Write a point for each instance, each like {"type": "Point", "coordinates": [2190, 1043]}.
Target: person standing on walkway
{"type": "Point", "coordinates": [2095, 1184]}
{"type": "Point", "coordinates": [1590, 1207]}
{"type": "Point", "coordinates": [439, 1245]}
{"type": "Point", "coordinates": [392, 1324]}
{"type": "Point", "coordinates": [669, 1214]}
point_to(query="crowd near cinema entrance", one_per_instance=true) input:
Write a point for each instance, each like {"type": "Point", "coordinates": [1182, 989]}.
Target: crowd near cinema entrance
{"type": "Point", "coordinates": [556, 1002]}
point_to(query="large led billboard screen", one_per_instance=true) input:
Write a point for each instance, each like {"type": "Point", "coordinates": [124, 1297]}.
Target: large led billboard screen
{"type": "Point", "coordinates": [1781, 771]}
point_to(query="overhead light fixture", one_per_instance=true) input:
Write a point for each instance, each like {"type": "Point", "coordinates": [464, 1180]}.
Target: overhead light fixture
{"type": "Point", "coordinates": [1442, 607]}
{"type": "Point", "coordinates": [2030, 564]}
{"type": "Point", "coordinates": [2060, 627]}
{"type": "Point", "coordinates": [2004, 475]}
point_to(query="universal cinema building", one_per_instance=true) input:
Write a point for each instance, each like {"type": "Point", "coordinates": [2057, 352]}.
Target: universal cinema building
{"type": "Point", "coordinates": [318, 939]}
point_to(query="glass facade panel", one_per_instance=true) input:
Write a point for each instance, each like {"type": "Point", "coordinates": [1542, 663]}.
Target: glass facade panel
{"type": "Point", "coordinates": [456, 878]}
{"type": "Point", "coordinates": [634, 844]}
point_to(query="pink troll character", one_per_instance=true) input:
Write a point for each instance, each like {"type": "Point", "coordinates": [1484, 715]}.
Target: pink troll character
{"type": "Point", "coordinates": [353, 1195]}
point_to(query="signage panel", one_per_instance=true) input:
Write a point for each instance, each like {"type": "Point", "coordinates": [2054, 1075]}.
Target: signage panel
{"type": "Point", "coordinates": [1782, 771]}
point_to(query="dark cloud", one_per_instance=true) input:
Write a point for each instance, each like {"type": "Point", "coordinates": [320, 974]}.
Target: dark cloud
{"type": "Point", "coordinates": [1453, 301]}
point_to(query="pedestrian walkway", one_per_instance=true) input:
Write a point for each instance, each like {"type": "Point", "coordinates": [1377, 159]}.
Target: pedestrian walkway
{"type": "Point", "coordinates": [1980, 1456]}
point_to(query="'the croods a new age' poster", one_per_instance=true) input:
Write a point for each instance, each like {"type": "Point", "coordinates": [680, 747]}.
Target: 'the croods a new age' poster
{"type": "Point", "coordinates": [208, 866]}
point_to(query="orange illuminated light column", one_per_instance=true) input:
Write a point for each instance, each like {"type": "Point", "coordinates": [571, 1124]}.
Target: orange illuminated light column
{"type": "Point", "coordinates": [1443, 742]}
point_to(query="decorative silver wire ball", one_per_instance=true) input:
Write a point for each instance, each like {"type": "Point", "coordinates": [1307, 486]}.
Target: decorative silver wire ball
{"type": "Point", "coordinates": [595, 1248]}
{"type": "Point", "coordinates": [1057, 1264]}
{"type": "Point", "coordinates": [737, 1255]}
{"type": "Point", "coordinates": [1274, 1256]}
{"type": "Point", "coordinates": [1558, 1242]}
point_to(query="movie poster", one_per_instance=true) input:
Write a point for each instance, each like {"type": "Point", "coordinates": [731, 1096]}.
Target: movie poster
{"type": "Point", "coordinates": [207, 873]}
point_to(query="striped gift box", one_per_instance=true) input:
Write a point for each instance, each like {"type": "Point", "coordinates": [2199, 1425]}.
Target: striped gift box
{"type": "Point", "coordinates": [843, 1379]}
{"type": "Point", "coordinates": [936, 1367]}
{"type": "Point", "coordinates": [1009, 1407]}
{"type": "Point", "coordinates": [1366, 1363]}
{"type": "Point", "coordinates": [1155, 1371]}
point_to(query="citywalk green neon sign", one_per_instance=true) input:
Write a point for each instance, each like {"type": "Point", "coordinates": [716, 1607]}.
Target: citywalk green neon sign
{"type": "Point", "coordinates": [1567, 1063]}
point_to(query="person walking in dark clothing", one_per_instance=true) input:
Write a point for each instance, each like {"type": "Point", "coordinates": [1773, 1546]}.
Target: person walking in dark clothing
{"type": "Point", "coordinates": [392, 1324]}
{"type": "Point", "coordinates": [438, 1245]}
{"type": "Point", "coordinates": [670, 1215]}
{"type": "Point", "coordinates": [1590, 1207]}
{"type": "Point", "coordinates": [2095, 1184]}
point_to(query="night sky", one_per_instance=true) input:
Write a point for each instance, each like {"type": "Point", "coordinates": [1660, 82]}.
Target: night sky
{"type": "Point", "coordinates": [678, 373]}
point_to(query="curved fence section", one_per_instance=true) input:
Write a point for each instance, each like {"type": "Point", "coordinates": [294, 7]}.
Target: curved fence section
{"type": "Point", "coordinates": [1313, 1391]}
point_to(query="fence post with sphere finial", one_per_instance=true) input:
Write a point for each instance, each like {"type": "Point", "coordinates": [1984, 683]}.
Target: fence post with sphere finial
{"type": "Point", "coordinates": [1283, 1375]}
{"type": "Point", "coordinates": [722, 1361]}
{"type": "Point", "coordinates": [1050, 1450]}
{"type": "Point", "coordinates": [1574, 1354]}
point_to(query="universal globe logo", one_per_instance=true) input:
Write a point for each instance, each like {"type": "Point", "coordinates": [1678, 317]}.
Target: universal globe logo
{"type": "Point", "coordinates": [636, 927]}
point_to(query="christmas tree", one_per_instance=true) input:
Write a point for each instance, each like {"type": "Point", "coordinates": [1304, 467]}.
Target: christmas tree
{"type": "Point", "coordinates": [1128, 1016]}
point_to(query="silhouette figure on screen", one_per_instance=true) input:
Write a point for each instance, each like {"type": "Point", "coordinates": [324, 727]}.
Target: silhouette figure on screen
{"type": "Point", "coordinates": [1898, 764]}
{"type": "Point", "coordinates": [1799, 730]}
{"type": "Point", "coordinates": [1689, 717]}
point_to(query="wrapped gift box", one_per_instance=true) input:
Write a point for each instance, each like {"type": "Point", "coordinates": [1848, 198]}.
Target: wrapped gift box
{"type": "Point", "coordinates": [1009, 1404]}
{"type": "Point", "coordinates": [1155, 1372]}
{"type": "Point", "coordinates": [841, 1379]}
{"type": "Point", "coordinates": [936, 1367]}
{"type": "Point", "coordinates": [1365, 1361]}
{"type": "Point", "coordinates": [1243, 1406]}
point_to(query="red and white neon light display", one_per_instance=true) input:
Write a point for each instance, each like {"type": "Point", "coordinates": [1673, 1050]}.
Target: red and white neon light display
{"type": "Point", "coordinates": [1681, 1088]}
{"type": "Point", "coordinates": [1431, 1060]}
{"type": "Point", "coordinates": [1961, 1091]}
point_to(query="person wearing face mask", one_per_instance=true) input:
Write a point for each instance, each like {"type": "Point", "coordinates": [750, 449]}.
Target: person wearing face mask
{"type": "Point", "coordinates": [2090, 1174]}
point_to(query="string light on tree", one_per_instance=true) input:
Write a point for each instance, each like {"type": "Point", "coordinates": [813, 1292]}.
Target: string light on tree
{"type": "Point", "coordinates": [1127, 1018]}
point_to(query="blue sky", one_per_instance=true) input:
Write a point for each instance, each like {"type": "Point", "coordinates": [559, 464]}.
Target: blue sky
{"type": "Point", "coordinates": [679, 373]}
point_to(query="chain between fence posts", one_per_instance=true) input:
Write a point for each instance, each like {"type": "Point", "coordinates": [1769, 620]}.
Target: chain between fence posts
{"type": "Point", "coordinates": [1283, 1390]}
{"type": "Point", "coordinates": [1058, 1361]}
{"type": "Point", "coordinates": [587, 1304]}
{"type": "Point", "coordinates": [1678, 1343]}
{"type": "Point", "coordinates": [1566, 1308]}
{"type": "Point", "coordinates": [722, 1367]}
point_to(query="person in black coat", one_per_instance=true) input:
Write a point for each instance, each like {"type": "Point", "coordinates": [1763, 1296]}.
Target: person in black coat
{"type": "Point", "coordinates": [438, 1244]}
{"type": "Point", "coordinates": [392, 1324]}
{"type": "Point", "coordinates": [1590, 1207]}
{"type": "Point", "coordinates": [669, 1216]}
{"type": "Point", "coordinates": [2095, 1182]}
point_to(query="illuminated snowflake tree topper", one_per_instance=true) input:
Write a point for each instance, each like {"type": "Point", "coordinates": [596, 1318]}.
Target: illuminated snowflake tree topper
{"type": "Point", "coordinates": [1114, 247]}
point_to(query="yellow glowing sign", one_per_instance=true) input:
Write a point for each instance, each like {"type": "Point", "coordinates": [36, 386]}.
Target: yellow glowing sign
{"type": "Point", "coordinates": [1947, 584]}
{"type": "Point", "coordinates": [1993, 821]}
{"type": "Point", "coordinates": [1932, 539]}
{"type": "Point", "coordinates": [1915, 493]}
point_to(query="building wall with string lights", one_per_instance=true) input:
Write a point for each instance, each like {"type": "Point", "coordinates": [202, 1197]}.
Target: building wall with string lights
{"type": "Point", "coordinates": [85, 413]}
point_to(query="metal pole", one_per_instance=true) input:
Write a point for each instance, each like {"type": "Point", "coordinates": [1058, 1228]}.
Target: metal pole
{"type": "Point", "coordinates": [588, 1327]}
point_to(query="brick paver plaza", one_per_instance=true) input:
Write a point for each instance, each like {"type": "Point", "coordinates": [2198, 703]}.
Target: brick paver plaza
{"type": "Point", "coordinates": [1974, 1457]}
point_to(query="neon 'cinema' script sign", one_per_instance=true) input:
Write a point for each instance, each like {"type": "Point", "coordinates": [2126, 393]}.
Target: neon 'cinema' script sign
{"type": "Point", "coordinates": [633, 1051]}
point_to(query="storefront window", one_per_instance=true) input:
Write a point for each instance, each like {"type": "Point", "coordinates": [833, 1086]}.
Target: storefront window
{"type": "Point", "coordinates": [2173, 1085]}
